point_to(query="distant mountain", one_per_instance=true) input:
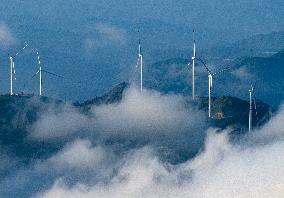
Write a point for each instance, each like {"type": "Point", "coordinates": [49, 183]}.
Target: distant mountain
{"type": "Point", "coordinates": [261, 45]}
{"type": "Point", "coordinates": [174, 76]}
{"type": "Point", "coordinates": [169, 76]}
{"type": "Point", "coordinates": [267, 72]}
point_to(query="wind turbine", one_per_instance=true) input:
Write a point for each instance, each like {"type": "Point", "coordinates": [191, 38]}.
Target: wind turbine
{"type": "Point", "coordinates": [251, 93]}
{"type": "Point", "coordinates": [210, 82]}
{"type": "Point", "coordinates": [13, 69]}
{"type": "Point", "coordinates": [193, 67]}
{"type": "Point", "coordinates": [40, 71]}
{"type": "Point", "coordinates": [140, 63]}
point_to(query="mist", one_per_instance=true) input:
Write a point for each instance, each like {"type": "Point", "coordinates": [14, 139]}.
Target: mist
{"type": "Point", "coordinates": [147, 145]}
{"type": "Point", "coordinates": [140, 118]}
{"type": "Point", "coordinates": [221, 169]}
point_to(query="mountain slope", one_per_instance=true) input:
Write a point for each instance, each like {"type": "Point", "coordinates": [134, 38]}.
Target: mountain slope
{"type": "Point", "coordinates": [267, 72]}
{"type": "Point", "coordinates": [17, 114]}
{"type": "Point", "coordinates": [114, 95]}
{"type": "Point", "coordinates": [263, 45]}
{"type": "Point", "coordinates": [169, 76]}
{"type": "Point", "coordinates": [174, 75]}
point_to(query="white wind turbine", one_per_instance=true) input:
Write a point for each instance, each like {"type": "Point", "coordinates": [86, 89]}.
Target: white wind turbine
{"type": "Point", "coordinates": [210, 83]}
{"type": "Point", "coordinates": [193, 67]}
{"type": "Point", "coordinates": [251, 93]}
{"type": "Point", "coordinates": [140, 63]}
{"type": "Point", "coordinates": [13, 69]}
{"type": "Point", "coordinates": [40, 71]}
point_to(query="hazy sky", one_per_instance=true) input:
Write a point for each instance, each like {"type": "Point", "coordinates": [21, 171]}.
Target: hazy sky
{"type": "Point", "coordinates": [88, 40]}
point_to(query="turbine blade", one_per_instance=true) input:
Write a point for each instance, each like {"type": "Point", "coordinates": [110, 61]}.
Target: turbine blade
{"type": "Point", "coordinates": [52, 73]}
{"type": "Point", "coordinates": [21, 50]}
{"type": "Point", "coordinates": [38, 58]}
{"type": "Point", "coordinates": [138, 60]}
{"type": "Point", "coordinates": [204, 64]}
{"type": "Point", "coordinates": [30, 79]}
{"type": "Point", "coordinates": [221, 71]}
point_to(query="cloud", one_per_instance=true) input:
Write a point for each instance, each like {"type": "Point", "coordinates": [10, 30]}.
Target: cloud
{"type": "Point", "coordinates": [7, 163]}
{"type": "Point", "coordinates": [59, 122]}
{"type": "Point", "coordinates": [272, 131]}
{"type": "Point", "coordinates": [221, 170]}
{"type": "Point", "coordinates": [78, 155]}
{"type": "Point", "coordinates": [106, 36]}
{"type": "Point", "coordinates": [147, 117]}
{"type": "Point", "coordinates": [149, 112]}
{"type": "Point", "coordinates": [91, 166]}
{"type": "Point", "coordinates": [6, 37]}
{"type": "Point", "coordinates": [79, 160]}
{"type": "Point", "coordinates": [243, 74]}
{"type": "Point", "coordinates": [111, 33]}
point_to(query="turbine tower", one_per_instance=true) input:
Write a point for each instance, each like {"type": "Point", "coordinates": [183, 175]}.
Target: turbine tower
{"type": "Point", "coordinates": [210, 83]}
{"type": "Point", "coordinates": [251, 93]}
{"type": "Point", "coordinates": [140, 63]}
{"type": "Point", "coordinates": [193, 67]}
{"type": "Point", "coordinates": [40, 74]}
{"type": "Point", "coordinates": [13, 69]}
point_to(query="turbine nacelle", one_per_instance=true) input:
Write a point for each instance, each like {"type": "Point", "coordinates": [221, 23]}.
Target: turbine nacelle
{"type": "Point", "coordinates": [210, 78]}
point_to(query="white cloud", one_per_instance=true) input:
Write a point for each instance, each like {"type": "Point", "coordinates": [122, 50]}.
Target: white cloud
{"type": "Point", "coordinates": [248, 168]}
{"type": "Point", "coordinates": [78, 155]}
{"type": "Point", "coordinates": [106, 36]}
{"type": "Point", "coordinates": [111, 33]}
{"type": "Point", "coordinates": [225, 171]}
{"type": "Point", "coordinates": [6, 37]}
{"type": "Point", "coordinates": [272, 131]}
{"type": "Point", "coordinates": [150, 117]}
{"type": "Point", "coordinates": [242, 73]}
{"type": "Point", "coordinates": [149, 112]}
{"type": "Point", "coordinates": [59, 123]}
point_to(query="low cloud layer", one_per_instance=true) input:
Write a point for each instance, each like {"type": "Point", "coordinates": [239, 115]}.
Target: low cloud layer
{"type": "Point", "coordinates": [90, 164]}
{"type": "Point", "coordinates": [144, 118]}
{"type": "Point", "coordinates": [221, 170]}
